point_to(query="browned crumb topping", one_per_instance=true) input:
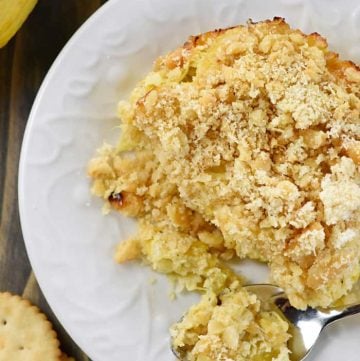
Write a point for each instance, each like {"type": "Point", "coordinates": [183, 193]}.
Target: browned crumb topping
{"type": "Point", "coordinates": [244, 142]}
{"type": "Point", "coordinates": [231, 326]}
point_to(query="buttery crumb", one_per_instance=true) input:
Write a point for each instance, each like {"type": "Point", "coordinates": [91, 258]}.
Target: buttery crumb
{"type": "Point", "coordinates": [242, 143]}
{"type": "Point", "coordinates": [230, 327]}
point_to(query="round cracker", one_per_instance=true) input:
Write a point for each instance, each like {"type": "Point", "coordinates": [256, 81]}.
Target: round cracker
{"type": "Point", "coordinates": [25, 333]}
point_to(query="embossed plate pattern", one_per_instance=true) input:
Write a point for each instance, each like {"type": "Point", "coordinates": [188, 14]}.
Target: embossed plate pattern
{"type": "Point", "coordinates": [113, 311]}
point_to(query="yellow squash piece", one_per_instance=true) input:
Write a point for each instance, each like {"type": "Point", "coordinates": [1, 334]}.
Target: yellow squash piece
{"type": "Point", "coordinates": [13, 13]}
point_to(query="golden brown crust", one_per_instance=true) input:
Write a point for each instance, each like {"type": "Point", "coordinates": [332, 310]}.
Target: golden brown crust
{"type": "Point", "coordinates": [253, 131]}
{"type": "Point", "coordinates": [231, 327]}
{"type": "Point", "coordinates": [335, 64]}
{"type": "Point", "coordinates": [246, 143]}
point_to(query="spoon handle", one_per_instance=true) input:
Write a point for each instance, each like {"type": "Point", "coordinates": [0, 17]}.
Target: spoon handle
{"type": "Point", "coordinates": [339, 313]}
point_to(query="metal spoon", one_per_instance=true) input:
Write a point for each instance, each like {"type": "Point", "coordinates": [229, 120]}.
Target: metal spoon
{"type": "Point", "coordinates": [305, 326]}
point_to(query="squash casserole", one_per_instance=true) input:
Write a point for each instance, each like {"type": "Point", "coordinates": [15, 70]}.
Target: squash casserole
{"type": "Point", "coordinates": [243, 143]}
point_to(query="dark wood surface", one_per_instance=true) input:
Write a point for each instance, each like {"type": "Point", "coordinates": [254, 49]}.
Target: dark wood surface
{"type": "Point", "coordinates": [24, 62]}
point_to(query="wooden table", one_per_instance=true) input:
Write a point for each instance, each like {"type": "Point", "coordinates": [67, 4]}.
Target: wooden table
{"type": "Point", "coordinates": [23, 65]}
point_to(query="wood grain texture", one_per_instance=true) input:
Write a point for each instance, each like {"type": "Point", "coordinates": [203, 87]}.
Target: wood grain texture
{"type": "Point", "coordinates": [23, 65]}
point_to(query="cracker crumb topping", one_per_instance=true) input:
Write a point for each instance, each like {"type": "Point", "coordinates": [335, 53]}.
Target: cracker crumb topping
{"type": "Point", "coordinates": [245, 143]}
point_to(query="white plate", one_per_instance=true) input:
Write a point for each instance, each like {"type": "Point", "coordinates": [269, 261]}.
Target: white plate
{"type": "Point", "coordinates": [113, 311]}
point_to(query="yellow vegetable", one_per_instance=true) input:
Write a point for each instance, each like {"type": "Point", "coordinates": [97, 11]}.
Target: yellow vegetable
{"type": "Point", "coordinates": [13, 13]}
